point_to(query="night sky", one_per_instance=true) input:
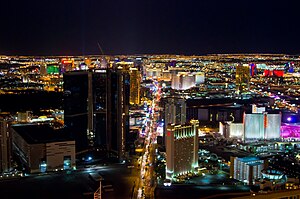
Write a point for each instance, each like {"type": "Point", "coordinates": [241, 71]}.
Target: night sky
{"type": "Point", "coordinates": [191, 27]}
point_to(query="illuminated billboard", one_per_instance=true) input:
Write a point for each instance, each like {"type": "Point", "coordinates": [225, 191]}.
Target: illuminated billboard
{"type": "Point", "coordinates": [52, 69]}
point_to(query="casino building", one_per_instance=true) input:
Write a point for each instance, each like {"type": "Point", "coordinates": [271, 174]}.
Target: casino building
{"type": "Point", "coordinates": [181, 148]}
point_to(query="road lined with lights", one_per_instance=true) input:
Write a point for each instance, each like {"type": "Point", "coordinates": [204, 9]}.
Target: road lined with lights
{"type": "Point", "coordinates": [147, 181]}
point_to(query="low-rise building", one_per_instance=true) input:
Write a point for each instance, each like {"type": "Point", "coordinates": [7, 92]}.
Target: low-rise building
{"type": "Point", "coordinates": [246, 169]}
{"type": "Point", "coordinates": [292, 183]}
{"type": "Point", "coordinates": [42, 148]}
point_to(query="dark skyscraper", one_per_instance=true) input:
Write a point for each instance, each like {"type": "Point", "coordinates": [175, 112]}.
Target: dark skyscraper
{"type": "Point", "coordinates": [76, 107]}
{"type": "Point", "coordinates": [118, 107]}
{"type": "Point", "coordinates": [100, 107]}
{"type": "Point", "coordinates": [5, 142]}
{"type": "Point", "coordinates": [96, 108]}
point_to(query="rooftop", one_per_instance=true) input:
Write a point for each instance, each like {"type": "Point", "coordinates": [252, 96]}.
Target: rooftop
{"type": "Point", "coordinates": [40, 133]}
{"type": "Point", "coordinates": [248, 159]}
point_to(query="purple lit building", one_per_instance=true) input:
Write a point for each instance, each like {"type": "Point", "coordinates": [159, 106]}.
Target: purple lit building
{"type": "Point", "coordinates": [290, 130]}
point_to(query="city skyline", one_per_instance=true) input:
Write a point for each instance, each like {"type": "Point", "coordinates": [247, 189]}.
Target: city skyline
{"type": "Point", "coordinates": [144, 27]}
{"type": "Point", "coordinates": [140, 127]}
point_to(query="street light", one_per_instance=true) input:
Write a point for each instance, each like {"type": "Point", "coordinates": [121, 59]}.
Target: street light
{"type": "Point", "coordinates": [100, 186]}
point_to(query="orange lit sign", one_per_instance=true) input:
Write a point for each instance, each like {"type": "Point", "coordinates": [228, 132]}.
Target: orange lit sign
{"type": "Point", "coordinates": [265, 121]}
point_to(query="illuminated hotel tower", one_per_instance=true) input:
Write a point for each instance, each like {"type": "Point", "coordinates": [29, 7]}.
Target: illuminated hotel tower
{"type": "Point", "coordinates": [181, 149]}
{"type": "Point", "coordinates": [96, 108]}
{"type": "Point", "coordinates": [135, 84]}
{"type": "Point", "coordinates": [242, 77]}
{"type": "Point", "coordinates": [262, 126]}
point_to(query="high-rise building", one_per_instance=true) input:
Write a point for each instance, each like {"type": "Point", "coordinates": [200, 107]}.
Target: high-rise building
{"type": "Point", "coordinates": [174, 111]}
{"type": "Point", "coordinates": [23, 117]}
{"type": "Point", "coordinates": [135, 84]}
{"type": "Point", "coordinates": [253, 69]}
{"type": "Point", "coordinates": [118, 108]}
{"type": "Point", "coordinates": [99, 116]}
{"type": "Point", "coordinates": [96, 108]}
{"type": "Point", "coordinates": [5, 142]}
{"type": "Point", "coordinates": [76, 107]}
{"type": "Point", "coordinates": [182, 80]}
{"type": "Point", "coordinates": [242, 77]}
{"type": "Point", "coordinates": [43, 69]}
{"type": "Point", "coordinates": [199, 77]}
{"type": "Point", "coordinates": [261, 126]}
{"type": "Point", "coordinates": [181, 149]}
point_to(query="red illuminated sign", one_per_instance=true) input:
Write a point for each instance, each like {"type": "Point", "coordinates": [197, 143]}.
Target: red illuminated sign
{"type": "Point", "coordinates": [278, 73]}
{"type": "Point", "coordinates": [67, 61]}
